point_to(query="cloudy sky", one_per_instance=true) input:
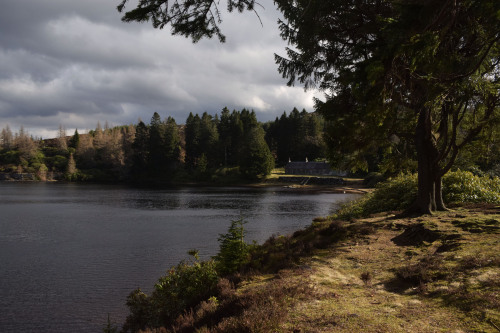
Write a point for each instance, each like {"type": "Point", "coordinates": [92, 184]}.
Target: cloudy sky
{"type": "Point", "coordinates": [74, 63]}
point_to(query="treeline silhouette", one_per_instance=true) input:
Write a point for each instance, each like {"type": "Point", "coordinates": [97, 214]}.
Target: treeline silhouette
{"type": "Point", "coordinates": [226, 147]}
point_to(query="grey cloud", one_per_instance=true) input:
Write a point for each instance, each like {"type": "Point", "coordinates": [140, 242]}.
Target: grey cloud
{"type": "Point", "coordinates": [76, 63]}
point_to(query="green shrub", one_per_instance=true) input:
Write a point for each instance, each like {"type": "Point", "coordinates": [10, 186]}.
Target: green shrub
{"type": "Point", "coordinates": [353, 209]}
{"type": "Point", "coordinates": [184, 286]}
{"type": "Point", "coordinates": [399, 192]}
{"type": "Point", "coordinates": [187, 284]}
{"type": "Point", "coordinates": [464, 186]}
{"type": "Point", "coordinates": [394, 194]}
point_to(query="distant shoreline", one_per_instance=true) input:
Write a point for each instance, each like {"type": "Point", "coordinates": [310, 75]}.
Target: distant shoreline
{"type": "Point", "coordinates": [353, 187]}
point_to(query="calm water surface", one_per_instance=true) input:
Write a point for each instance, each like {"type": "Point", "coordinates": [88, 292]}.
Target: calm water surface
{"type": "Point", "coordinates": [71, 253]}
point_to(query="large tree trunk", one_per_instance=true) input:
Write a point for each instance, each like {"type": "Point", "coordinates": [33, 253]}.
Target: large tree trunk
{"type": "Point", "coordinates": [429, 196]}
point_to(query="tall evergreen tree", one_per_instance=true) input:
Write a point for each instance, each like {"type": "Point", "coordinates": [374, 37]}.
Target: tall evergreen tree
{"type": "Point", "coordinates": [140, 148]}
{"type": "Point", "coordinates": [209, 139]}
{"type": "Point", "coordinates": [193, 139]}
{"type": "Point", "coordinates": [127, 141]}
{"type": "Point", "coordinates": [256, 159]}
{"type": "Point", "coordinates": [171, 145]}
{"type": "Point", "coordinates": [237, 137]}
{"type": "Point", "coordinates": [225, 138]}
{"type": "Point", "coordinates": [75, 140]}
{"type": "Point", "coordinates": [157, 159]}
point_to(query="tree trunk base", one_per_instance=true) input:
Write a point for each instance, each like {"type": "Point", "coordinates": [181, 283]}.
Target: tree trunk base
{"type": "Point", "coordinates": [415, 210]}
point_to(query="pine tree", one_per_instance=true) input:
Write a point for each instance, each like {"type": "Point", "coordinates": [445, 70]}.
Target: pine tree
{"type": "Point", "coordinates": [157, 159]}
{"type": "Point", "coordinates": [140, 151]}
{"type": "Point", "coordinates": [209, 139]}
{"type": "Point", "coordinates": [193, 140]}
{"type": "Point", "coordinates": [225, 139]}
{"type": "Point", "coordinates": [75, 140]}
{"type": "Point", "coordinates": [171, 146]}
{"type": "Point", "coordinates": [233, 250]}
{"type": "Point", "coordinates": [256, 159]}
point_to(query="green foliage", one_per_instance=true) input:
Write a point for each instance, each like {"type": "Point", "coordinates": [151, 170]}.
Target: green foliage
{"type": "Point", "coordinates": [140, 148]}
{"type": "Point", "coordinates": [41, 172]}
{"type": "Point", "coordinates": [464, 186]}
{"type": "Point", "coordinates": [9, 157]}
{"type": "Point", "coordinates": [202, 164]}
{"type": "Point", "coordinates": [230, 149]}
{"type": "Point", "coordinates": [156, 157]}
{"type": "Point", "coordinates": [227, 176]}
{"type": "Point", "coordinates": [417, 80]}
{"type": "Point", "coordinates": [233, 251]}
{"type": "Point", "coordinates": [74, 142]}
{"type": "Point", "coordinates": [256, 160]}
{"type": "Point", "coordinates": [187, 284]}
{"type": "Point", "coordinates": [353, 209]}
{"type": "Point", "coordinates": [184, 286]}
{"type": "Point", "coordinates": [59, 162]}
{"type": "Point", "coordinates": [394, 194]}
{"type": "Point", "coordinates": [193, 138]}
{"type": "Point", "coordinates": [399, 192]}
{"type": "Point", "coordinates": [296, 136]}
{"type": "Point", "coordinates": [236, 140]}
{"type": "Point", "coordinates": [373, 178]}
{"type": "Point", "coordinates": [193, 19]}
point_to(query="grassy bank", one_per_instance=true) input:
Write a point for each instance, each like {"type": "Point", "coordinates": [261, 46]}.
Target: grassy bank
{"type": "Point", "coordinates": [432, 274]}
{"type": "Point", "coordinates": [438, 273]}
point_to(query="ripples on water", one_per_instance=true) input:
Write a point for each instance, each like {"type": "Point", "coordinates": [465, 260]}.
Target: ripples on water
{"type": "Point", "coordinates": [71, 253]}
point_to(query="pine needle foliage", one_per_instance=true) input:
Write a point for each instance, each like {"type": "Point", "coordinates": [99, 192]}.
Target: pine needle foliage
{"type": "Point", "coordinates": [233, 251]}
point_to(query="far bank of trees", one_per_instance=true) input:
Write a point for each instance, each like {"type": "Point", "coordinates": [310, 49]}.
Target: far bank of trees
{"type": "Point", "coordinates": [229, 146]}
